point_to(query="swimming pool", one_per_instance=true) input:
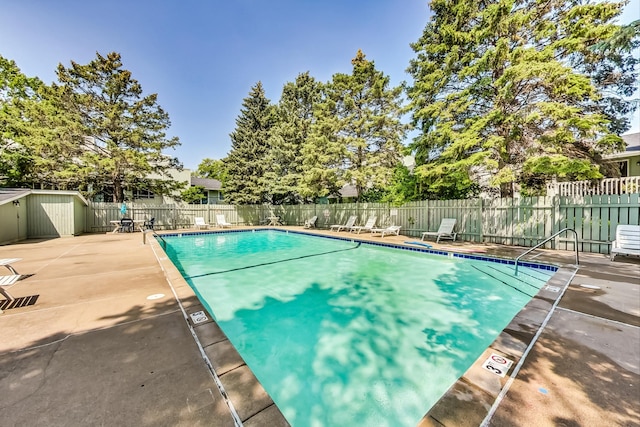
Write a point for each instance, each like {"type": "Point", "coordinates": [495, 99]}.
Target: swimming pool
{"type": "Point", "coordinates": [343, 333]}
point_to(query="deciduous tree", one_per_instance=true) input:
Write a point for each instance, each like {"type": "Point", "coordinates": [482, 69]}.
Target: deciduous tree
{"type": "Point", "coordinates": [212, 169]}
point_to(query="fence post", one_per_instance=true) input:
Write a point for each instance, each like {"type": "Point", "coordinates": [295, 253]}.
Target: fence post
{"type": "Point", "coordinates": [174, 218]}
{"type": "Point", "coordinates": [555, 218]}
{"type": "Point", "coordinates": [481, 218]}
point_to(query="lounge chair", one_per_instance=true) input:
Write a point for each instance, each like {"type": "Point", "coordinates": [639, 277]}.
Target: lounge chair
{"type": "Point", "coordinates": [148, 225]}
{"type": "Point", "coordinates": [7, 263]}
{"type": "Point", "coordinates": [444, 232]}
{"type": "Point", "coordinates": [368, 226]}
{"type": "Point", "coordinates": [393, 230]}
{"type": "Point", "coordinates": [311, 222]}
{"type": "Point", "coordinates": [7, 281]}
{"type": "Point", "coordinates": [222, 222]}
{"type": "Point", "coordinates": [627, 241]}
{"type": "Point", "coordinates": [346, 226]}
{"type": "Point", "coordinates": [199, 223]}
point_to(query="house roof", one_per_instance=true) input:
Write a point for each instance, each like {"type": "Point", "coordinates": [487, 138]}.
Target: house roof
{"type": "Point", "coordinates": [349, 190]}
{"type": "Point", "coordinates": [207, 183]}
{"type": "Point", "coordinates": [632, 140]}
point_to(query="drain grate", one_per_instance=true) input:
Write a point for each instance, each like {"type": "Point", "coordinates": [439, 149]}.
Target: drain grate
{"type": "Point", "coordinates": [18, 302]}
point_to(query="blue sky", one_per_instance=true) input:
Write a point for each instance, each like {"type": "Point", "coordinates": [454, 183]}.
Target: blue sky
{"type": "Point", "coordinates": [203, 57]}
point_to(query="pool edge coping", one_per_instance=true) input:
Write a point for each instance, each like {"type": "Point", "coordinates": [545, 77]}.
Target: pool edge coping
{"type": "Point", "coordinates": [207, 335]}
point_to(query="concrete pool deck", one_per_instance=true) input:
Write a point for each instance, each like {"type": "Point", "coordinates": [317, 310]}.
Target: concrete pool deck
{"type": "Point", "coordinates": [95, 349]}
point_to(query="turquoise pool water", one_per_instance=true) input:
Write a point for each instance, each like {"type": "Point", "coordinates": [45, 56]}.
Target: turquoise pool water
{"type": "Point", "coordinates": [341, 333]}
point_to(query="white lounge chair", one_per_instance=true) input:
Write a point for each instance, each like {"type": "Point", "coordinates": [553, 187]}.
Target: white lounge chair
{"type": "Point", "coordinates": [627, 241]}
{"type": "Point", "coordinates": [7, 281]}
{"type": "Point", "coordinates": [199, 223]}
{"type": "Point", "coordinates": [444, 232]}
{"type": "Point", "coordinates": [346, 226]}
{"type": "Point", "coordinates": [368, 226]}
{"type": "Point", "coordinates": [222, 222]}
{"type": "Point", "coordinates": [7, 263]}
{"type": "Point", "coordinates": [393, 230]}
{"type": "Point", "coordinates": [311, 222]}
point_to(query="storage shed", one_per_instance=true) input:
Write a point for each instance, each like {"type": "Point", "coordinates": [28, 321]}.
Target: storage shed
{"type": "Point", "coordinates": [32, 214]}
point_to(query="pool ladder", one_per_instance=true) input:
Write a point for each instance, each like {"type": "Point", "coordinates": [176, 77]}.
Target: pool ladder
{"type": "Point", "coordinates": [575, 245]}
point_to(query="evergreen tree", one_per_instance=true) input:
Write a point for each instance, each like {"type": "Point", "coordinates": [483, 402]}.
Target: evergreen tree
{"type": "Point", "coordinates": [323, 155]}
{"type": "Point", "coordinates": [125, 130]}
{"type": "Point", "coordinates": [614, 71]}
{"type": "Point", "coordinates": [505, 87]}
{"type": "Point", "coordinates": [284, 165]}
{"type": "Point", "coordinates": [249, 149]}
{"type": "Point", "coordinates": [15, 90]}
{"type": "Point", "coordinates": [357, 134]}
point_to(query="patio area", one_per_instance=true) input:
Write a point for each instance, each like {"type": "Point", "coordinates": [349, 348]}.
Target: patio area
{"type": "Point", "coordinates": [111, 340]}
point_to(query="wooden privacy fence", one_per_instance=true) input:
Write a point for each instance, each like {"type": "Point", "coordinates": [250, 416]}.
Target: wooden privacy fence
{"type": "Point", "coordinates": [520, 221]}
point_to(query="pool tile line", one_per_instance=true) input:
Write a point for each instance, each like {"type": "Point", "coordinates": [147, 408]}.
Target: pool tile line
{"type": "Point", "coordinates": [497, 260]}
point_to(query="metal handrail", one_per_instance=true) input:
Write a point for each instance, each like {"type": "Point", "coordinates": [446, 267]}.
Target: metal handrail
{"type": "Point", "coordinates": [160, 237]}
{"type": "Point", "coordinates": [546, 240]}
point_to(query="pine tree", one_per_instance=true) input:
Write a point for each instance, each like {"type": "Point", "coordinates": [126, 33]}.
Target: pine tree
{"type": "Point", "coordinates": [125, 131]}
{"type": "Point", "coordinates": [38, 140]}
{"type": "Point", "coordinates": [357, 135]}
{"type": "Point", "coordinates": [249, 148]}
{"type": "Point", "coordinates": [284, 164]}
{"type": "Point", "coordinates": [503, 87]}
{"type": "Point", "coordinates": [614, 70]}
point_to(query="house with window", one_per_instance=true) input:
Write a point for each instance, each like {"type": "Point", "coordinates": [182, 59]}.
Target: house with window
{"type": "Point", "coordinates": [629, 160]}
{"type": "Point", "coordinates": [212, 190]}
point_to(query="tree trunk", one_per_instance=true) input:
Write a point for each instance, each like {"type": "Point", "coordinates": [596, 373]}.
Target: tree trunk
{"type": "Point", "coordinates": [506, 189]}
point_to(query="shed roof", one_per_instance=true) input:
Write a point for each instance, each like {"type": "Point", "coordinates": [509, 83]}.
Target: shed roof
{"type": "Point", "coordinates": [8, 195]}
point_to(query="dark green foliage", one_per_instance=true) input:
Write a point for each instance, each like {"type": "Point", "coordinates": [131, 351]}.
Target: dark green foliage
{"type": "Point", "coordinates": [38, 139]}
{"type": "Point", "coordinates": [193, 194]}
{"type": "Point", "coordinates": [614, 70]}
{"type": "Point", "coordinates": [510, 87]}
{"type": "Point", "coordinates": [294, 117]}
{"type": "Point", "coordinates": [357, 135]}
{"type": "Point", "coordinates": [93, 131]}
{"type": "Point", "coordinates": [246, 165]}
